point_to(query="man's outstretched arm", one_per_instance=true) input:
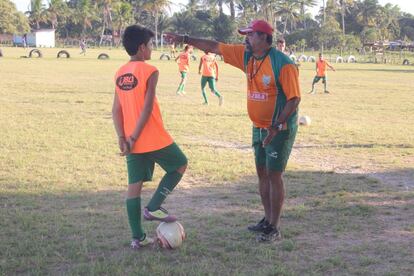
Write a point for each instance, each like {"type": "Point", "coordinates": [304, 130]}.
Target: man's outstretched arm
{"type": "Point", "coordinates": [211, 46]}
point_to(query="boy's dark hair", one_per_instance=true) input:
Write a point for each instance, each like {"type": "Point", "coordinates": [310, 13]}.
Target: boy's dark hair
{"type": "Point", "coordinates": [134, 36]}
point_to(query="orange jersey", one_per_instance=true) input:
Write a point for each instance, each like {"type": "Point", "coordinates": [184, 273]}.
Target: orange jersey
{"type": "Point", "coordinates": [262, 88]}
{"type": "Point", "coordinates": [321, 67]}
{"type": "Point", "coordinates": [131, 87]}
{"type": "Point", "coordinates": [184, 62]}
{"type": "Point", "coordinates": [209, 66]}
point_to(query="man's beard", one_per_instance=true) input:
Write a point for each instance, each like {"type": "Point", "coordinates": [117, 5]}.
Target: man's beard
{"type": "Point", "coordinates": [248, 46]}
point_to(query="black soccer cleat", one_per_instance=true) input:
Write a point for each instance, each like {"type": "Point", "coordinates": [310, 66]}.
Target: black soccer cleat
{"type": "Point", "coordinates": [260, 226]}
{"type": "Point", "coordinates": [269, 234]}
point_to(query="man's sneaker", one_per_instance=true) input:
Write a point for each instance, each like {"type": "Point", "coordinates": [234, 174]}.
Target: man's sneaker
{"type": "Point", "coordinates": [327, 92]}
{"type": "Point", "coordinates": [146, 241]}
{"type": "Point", "coordinates": [259, 227]}
{"type": "Point", "coordinates": [311, 92]}
{"type": "Point", "coordinates": [220, 100]}
{"type": "Point", "coordinates": [160, 215]}
{"type": "Point", "coordinates": [205, 103]}
{"type": "Point", "coordinates": [270, 234]}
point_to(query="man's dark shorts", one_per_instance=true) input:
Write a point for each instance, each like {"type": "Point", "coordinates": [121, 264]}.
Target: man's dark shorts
{"type": "Point", "coordinates": [276, 154]}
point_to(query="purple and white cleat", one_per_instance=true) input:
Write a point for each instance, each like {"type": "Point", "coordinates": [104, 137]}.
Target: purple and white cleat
{"type": "Point", "coordinates": [137, 244]}
{"type": "Point", "coordinates": [160, 215]}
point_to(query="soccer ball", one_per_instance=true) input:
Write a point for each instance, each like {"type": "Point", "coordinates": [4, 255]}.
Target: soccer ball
{"type": "Point", "coordinates": [305, 120]}
{"type": "Point", "coordinates": [170, 235]}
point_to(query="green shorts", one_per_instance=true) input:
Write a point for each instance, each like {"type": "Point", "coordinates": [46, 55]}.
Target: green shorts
{"type": "Point", "coordinates": [317, 78]}
{"type": "Point", "coordinates": [211, 83]}
{"type": "Point", "coordinates": [183, 74]}
{"type": "Point", "coordinates": [276, 154]}
{"type": "Point", "coordinates": [141, 165]}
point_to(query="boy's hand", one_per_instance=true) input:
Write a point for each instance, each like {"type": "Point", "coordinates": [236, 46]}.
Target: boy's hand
{"type": "Point", "coordinates": [216, 79]}
{"type": "Point", "coordinates": [123, 146]}
{"type": "Point", "coordinates": [130, 142]}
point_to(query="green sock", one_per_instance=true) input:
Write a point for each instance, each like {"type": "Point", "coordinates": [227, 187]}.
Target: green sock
{"type": "Point", "coordinates": [167, 184]}
{"type": "Point", "coordinates": [204, 96]}
{"type": "Point", "coordinates": [134, 217]}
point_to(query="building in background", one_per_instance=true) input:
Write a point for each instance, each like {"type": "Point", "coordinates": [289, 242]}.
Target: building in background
{"type": "Point", "coordinates": [38, 38]}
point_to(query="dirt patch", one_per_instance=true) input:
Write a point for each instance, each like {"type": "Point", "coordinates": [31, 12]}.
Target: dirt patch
{"type": "Point", "coordinates": [301, 155]}
{"type": "Point", "coordinates": [400, 179]}
{"type": "Point", "coordinates": [221, 144]}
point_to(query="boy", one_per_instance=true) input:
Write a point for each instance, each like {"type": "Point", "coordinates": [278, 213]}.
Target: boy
{"type": "Point", "coordinates": [321, 65]}
{"type": "Point", "coordinates": [183, 66]}
{"type": "Point", "coordinates": [141, 134]}
{"type": "Point", "coordinates": [82, 45]}
{"type": "Point", "coordinates": [173, 51]}
{"type": "Point", "coordinates": [209, 75]}
{"type": "Point", "coordinates": [281, 45]}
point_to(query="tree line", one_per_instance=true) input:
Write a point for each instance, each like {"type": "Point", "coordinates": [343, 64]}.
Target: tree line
{"type": "Point", "coordinates": [338, 24]}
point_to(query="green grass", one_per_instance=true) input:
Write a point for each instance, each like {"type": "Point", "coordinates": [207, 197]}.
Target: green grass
{"type": "Point", "coordinates": [350, 199]}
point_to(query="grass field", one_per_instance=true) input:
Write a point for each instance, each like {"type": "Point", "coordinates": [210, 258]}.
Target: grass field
{"type": "Point", "coordinates": [350, 180]}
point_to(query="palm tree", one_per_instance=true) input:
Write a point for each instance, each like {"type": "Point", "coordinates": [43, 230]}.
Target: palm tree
{"type": "Point", "coordinates": [268, 9]}
{"type": "Point", "coordinates": [303, 5]}
{"type": "Point", "coordinates": [213, 4]}
{"type": "Point", "coordinates": [57, 11]}
{"type": "Point", "coordinates": [344, 9]}
{"type": "Point", "coordinates": [220, 5]}
{"type": "Point", "coordinates": [192, 6]}
{"type": "Point", "coordinates": [84, 14]}
{"type": "Point", "coordinates": [323, 22]}
{"type": "Point", "coordinates": [122, 16]}
{"type": "Point", "coordinates": [289, 11]}
{"type": "Point", "coordinates": [387, 22]}
{"type": "Point", "coordinates": [155, 7]}
{"type": "Point", "coordinates": [232, 5]}
{"type": "Point", "coordinates": [248, 9]}
{"type": "Point", "coordinates": [105, 6]}
{"type": "Point", "coordinates": [324, 13]}
{"type": "Point", "coordinates": [36, 15]}
{"type": "Point", "coordinates": [367, 12]}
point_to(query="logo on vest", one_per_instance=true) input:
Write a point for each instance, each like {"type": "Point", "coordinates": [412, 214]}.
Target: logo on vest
{"type": "Point", "coordinates": [266, 80]}
{"type": "Point", "coordinates": [127, 82]}
{"type": "Point", "coordinates": [258, 96]}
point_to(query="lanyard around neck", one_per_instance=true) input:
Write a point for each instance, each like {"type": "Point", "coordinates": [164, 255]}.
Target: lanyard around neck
{"type": "Point", "coordinates": [252, 76]}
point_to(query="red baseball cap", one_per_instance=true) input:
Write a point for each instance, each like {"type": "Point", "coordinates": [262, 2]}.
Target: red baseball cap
{"type": "Point", "coordinates": [257, 26]}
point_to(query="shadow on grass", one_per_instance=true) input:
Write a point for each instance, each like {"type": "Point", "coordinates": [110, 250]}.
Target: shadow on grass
{"type": "Point", "coordinates": [388, 70]}
{"type": "Point", "coordinates": [391, 70]}
{"type": "Point", "coordinates": [341, 216]}
{"type": "Point", "coordinates": [346, 146]}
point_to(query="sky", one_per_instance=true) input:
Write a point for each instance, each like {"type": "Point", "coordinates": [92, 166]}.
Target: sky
{"type": "Point", "coordinates": [405, 5]}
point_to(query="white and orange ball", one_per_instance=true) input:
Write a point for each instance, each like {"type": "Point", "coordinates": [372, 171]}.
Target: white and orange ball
{"type": "Point", "coordinates": [170, 235]}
